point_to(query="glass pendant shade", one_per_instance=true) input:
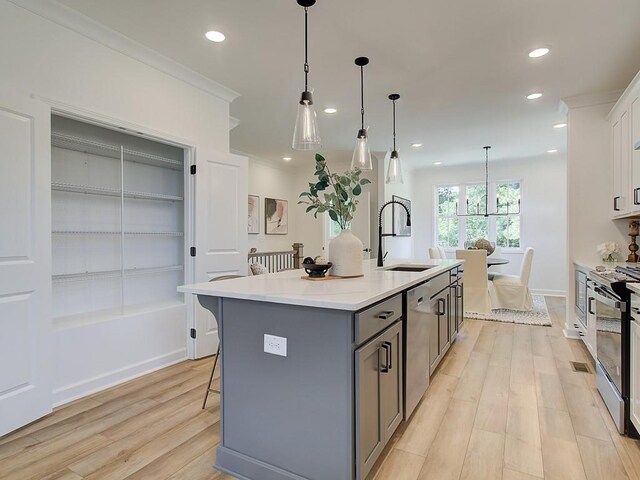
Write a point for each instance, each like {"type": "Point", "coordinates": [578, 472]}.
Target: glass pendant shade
{"type": "Point", "coordinates": [362, 155]}
{"type": "Point", "coordinates": [394, 171]}
{"type": "Point", "coordinates": [305, 133]}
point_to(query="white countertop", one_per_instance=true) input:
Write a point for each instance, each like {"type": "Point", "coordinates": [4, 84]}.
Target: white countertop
{"type": "Point", "coordinates": [342, 294]}
{"type": "Point", "coordinates": [634, 287]}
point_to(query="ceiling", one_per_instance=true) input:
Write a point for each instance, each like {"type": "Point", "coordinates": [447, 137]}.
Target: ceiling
{"type": "Point", "coordinates": [461, 67]}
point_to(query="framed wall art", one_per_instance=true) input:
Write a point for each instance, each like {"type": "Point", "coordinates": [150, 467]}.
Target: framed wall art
{"type": "Point", "coordinates": [399, 217]}
{"type": "Point", "coordinates": [276, 216]}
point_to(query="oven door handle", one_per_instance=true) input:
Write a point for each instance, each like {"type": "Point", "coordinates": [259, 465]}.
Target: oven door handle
{"type": "Point", "coordinates": [598, 295]}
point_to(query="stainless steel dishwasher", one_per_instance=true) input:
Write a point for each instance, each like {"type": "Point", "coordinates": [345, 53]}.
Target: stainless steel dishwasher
{"type": "Point", "coordinates": [417, 334]}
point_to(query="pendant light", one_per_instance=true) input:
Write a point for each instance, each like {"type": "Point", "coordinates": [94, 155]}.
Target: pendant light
{"type": "Point", "coordinates": [486, 213]}
{"type": "Point", "coordinates": [361, 155]}
{"type": "Point", "coordinates": [305, 134]}
{"type": "Point", "coordinates": [394, 171]}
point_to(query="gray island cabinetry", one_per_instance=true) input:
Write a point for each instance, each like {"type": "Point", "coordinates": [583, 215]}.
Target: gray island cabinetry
{"type": "Point", "coordinates": [312, 372]}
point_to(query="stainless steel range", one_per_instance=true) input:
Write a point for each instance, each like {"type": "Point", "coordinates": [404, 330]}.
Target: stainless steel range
{"type": "Point", "coordinates": [608, 309]}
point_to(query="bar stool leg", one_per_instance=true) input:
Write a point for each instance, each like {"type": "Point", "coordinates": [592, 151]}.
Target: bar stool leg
{"type": "Point", "coordinates": [209, 389]}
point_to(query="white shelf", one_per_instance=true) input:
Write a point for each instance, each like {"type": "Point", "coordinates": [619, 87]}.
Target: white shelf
{"type": "Point", "coordinates": [98, 232]}
{"type": "Point", "coordinates": [111, 192]}
{"type": "Point", "coordinates": [132, 272]}
{"type": "Point", "coordinates": [79, 144]}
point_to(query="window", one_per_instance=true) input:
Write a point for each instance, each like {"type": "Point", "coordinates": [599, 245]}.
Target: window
{"type": "Point", "coordinates": [504, 230]}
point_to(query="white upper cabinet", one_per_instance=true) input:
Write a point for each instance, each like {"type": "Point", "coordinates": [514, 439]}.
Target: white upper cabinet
{"type": "Point", "coordinates": [625, 167]}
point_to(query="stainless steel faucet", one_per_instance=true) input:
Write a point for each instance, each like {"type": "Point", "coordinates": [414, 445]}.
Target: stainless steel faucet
{"type": "Point", "coordinates": [380, 234]}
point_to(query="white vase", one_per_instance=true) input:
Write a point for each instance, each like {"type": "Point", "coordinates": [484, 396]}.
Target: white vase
{"type": "Point", "coordinates": [345, 253]}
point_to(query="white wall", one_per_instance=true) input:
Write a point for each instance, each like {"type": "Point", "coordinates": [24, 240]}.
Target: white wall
{"type": "Point", "coordinates": [589, 196]}
{"type": "Point", "coordinates": [287, 181]}
{"type": "Point", "coordinates": [397, 247]}
{"type": "Point", "coordinates": [544, 214]}
{"type": "Point", "coordinates": [49, 61]}
{"type": "Point", "coordinates": [272, 180]}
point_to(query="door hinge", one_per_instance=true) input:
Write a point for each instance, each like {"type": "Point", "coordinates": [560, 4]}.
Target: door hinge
{"type": "Point", "coordinates": [192, 251]}
{"type": "Point", "coordinates": [193, 333]}
{"type": "Point", "coordinates": [193, 169]}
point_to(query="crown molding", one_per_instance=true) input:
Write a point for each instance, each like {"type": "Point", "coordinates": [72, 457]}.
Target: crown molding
{"type": "Point", "coordinates": [592, 99]}
{"type": "Point", "coordinates": [89, 28]}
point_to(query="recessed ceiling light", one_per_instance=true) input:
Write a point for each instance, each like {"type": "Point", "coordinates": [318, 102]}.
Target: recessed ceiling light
{"type": "Point", "coordinates": [437, 163]}
{"type": "Point", "coordinates": [539, 52]}
{"type": "Point", "coordinates": [330, 110]}
{"type": "Point", "coordinates": [534, 96]}
{"type": "Point", "coordinates": [560, 125]}
{"type": "Point", "coordinates": [416, 145]}
{"type": "Point", "coordinates": [553, 150]}
{"type": "Point", "coordinates": [215, 36]}
{"type": "Point", "coordinates": [286, 159]}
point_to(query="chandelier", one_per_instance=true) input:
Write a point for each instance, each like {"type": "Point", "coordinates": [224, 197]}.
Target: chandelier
{"type": "Point", "coordinates": [486, 197]}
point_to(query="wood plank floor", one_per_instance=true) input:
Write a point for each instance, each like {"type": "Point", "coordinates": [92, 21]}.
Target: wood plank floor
{"type": "Point", "coordinates": [504, 404]}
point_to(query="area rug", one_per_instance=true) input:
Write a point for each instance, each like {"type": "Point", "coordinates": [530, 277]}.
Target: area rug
{"type": "Point", "coordinates": [538, 316]}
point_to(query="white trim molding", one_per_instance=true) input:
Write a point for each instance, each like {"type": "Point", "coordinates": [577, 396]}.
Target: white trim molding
{"type": "Point", "coordinates": [89, 28]}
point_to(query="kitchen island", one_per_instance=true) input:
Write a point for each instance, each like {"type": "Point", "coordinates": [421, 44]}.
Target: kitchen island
{"type": "Point", "coordinates": [312, 371]}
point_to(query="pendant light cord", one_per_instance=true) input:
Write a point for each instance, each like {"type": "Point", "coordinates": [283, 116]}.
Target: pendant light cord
{"type": "Point", "coordinates": [486, 180]}
{"type": "Point", "coordinates": [362, 95]}
{"type": "Point", "coordinates": [394, 125]}
{"type": "Point", "coordinates": [306, 60]}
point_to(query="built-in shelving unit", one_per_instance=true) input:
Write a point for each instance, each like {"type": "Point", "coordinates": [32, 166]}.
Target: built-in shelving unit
{"type": "Point", "coordinates": [117, 222]}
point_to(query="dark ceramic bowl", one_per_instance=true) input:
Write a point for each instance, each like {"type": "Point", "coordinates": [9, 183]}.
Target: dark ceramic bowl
{"type": "Point", "coordinates": [315, 270]}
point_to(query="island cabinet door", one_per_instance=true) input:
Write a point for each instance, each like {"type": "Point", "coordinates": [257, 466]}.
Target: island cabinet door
{"type": "Point", "coordinates": [459, 306]}
{"type": "Point", "coordinates": [369, 361]}
{"type": "Point", "coordinates": [443, 320]}
{"type": "Point", "coordinates": [378, 396]}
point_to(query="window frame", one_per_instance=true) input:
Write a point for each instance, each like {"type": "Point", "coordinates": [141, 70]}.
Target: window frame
{"type": "Point", "coordinates": [462, 224]}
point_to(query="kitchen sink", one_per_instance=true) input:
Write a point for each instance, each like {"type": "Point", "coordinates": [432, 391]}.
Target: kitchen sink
{"type": "Point", "coordinates": [409, 268]}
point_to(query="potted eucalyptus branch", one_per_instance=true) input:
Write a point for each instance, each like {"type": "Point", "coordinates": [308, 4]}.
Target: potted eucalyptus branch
{"type": "Point", "coordinates": [337, 195]}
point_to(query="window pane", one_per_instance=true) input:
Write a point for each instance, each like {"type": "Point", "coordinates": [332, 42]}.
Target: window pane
{"type": "Point", "coordinates": [476, 199]}
{"type": "Point", "coordinates": [508, 197]}
{"type": "Point", "coordinates": [447, 200]}
{"type": "Point", "coordinates": [508, 231]}
{"type": "Point", "coordinates": [447, 231]}
{"type": "Point", "coordinates": [477, 227]}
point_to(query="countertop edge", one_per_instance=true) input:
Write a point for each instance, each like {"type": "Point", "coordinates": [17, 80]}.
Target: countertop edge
{"type": "Point", "coordinates": [208, 290]}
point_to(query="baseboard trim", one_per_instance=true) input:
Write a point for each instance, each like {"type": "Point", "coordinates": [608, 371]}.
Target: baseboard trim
{"type": "Point", "coordinates": [69, 393]}
{"type": "Point", "coordinates": [549, 293]}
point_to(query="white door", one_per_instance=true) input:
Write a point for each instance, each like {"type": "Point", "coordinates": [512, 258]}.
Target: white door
{"type": "Point", "coordinates": [25, 265]}
{"type": "Point", "coordinates": [220, 223]}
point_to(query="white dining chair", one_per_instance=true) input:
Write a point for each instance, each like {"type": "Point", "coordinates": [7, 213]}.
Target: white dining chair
{"type": "Point", "coordinates": [512, 291]}
{"type": "Point", "coordinates": [436, 253]}
{"type": "Point", "coordinates": [476, 284]}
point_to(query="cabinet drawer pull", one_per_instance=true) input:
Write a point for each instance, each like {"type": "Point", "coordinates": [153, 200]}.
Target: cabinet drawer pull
{"type": "Point", "coordinates": [387, 353]}
{"type": "Point", "coordinates": [390, 365]}
{"type": "Point", "coordinates": [386, 315]}
{"type": "Point", "coordinates": [441, 302]}
{"type": "Point", "coordinates": [635, 196]}
{"type": "Point", "coordinates": [615, 204]}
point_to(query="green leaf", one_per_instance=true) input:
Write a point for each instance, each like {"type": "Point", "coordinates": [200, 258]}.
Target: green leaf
{"type": "Point", "coordinates": [344, 181]}
{"type": "Point", "coordinates": [309, 208]}
{"type": "Point", "coordinates": [364, 181]}
{"type": "Point", "coordinates": [357, 190]}
{"type": "Point", "coordinates": [333, 215]}
{"type": "Point", "coordinates": [319, 158]}
{"type": "Point", "coordinates": [344, 195]}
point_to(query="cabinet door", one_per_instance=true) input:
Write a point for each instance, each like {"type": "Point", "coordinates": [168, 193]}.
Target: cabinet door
{"type": "Point", "coordinates": [635, 375]}
{"type": "Point", "coordinates": [434, 339]}
{"type": "Point", "coordinates": [635, 154]}
{"type": "Point", "coordinates": [443, 321]}
{"type": "Point", "coordinates": [391, 381]}
{"type": "Point", "coordinates": [616, 168]}
{"type": "Point", "coordinates": [369, 431]}
{"type": "Point", "coordinates": [460, 305]}
{"type": "Point", "coordinates": [453, 313]}
{"type": "Point", "coordinates": [626, 201]}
